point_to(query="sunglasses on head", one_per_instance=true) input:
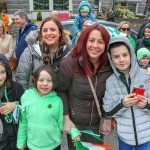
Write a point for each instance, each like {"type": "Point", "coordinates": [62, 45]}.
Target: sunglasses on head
{"type": "Point", "coordinates": [124, 29]}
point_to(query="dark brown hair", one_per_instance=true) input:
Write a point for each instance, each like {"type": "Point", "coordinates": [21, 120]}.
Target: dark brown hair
{"type": "Point", "coordinates": [49, 70]}
{"type": "Point", "coordinates": [80, 47]}
{"type": "Point", "coordinates": [63, 33]}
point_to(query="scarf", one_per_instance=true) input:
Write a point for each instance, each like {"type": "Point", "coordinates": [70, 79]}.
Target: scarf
{"type": "Point", "coordinates": [146, 41]}
{"type": "Point", "coordinates": [49, 55]}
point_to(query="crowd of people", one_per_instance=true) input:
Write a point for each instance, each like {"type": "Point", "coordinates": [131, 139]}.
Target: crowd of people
{"type": "Point", "coordinates": [51, 93]}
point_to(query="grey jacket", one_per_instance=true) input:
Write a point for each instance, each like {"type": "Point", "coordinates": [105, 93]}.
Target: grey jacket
{"type": "Point", "coordinates": [133, 123]}
{"type": "Point", "coordinates": [31, 59]}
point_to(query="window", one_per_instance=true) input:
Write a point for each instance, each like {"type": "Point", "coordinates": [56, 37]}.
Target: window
{"type": "Point", "coordinates": [41, 4]}
{"type": "Point", "coordinates": [61, 4]}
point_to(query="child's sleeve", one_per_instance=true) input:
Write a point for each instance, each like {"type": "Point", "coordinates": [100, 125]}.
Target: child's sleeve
{"type": "Point", "coordinates": [75, 133]}
{"type": "Point", "coordinates": [22, 131]}
{"type": "Point", "coordinates": [93, 18]}
{"type": "Point", "coordinates": [76, 25]}
{"type": "Point", "coordinates": [113, 107]}
{"type": "Point", "coordinates": [60, 116]}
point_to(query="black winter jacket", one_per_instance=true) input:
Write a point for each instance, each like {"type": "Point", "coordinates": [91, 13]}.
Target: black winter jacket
{"type": "Point", "coordinates": [8, 131]}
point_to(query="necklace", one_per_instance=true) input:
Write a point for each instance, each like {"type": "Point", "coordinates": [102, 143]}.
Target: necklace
{"type": "Point", "coordinates": [8, 117]}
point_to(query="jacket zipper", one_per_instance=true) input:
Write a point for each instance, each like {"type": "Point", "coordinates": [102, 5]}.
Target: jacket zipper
{"type": "Point", "coordinates": [134, 127]}
{"type": "Point", "coordinates": [133, 118]}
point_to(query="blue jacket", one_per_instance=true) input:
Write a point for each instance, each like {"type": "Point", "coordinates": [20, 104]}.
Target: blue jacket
{"type": "Point", "coordinates": [77, 27]}
{"type": "Point", "coordinates": [21, 44]}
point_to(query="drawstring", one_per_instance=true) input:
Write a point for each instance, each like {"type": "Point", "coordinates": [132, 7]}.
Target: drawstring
{"type": "Point", "coordinates": [9, 118]}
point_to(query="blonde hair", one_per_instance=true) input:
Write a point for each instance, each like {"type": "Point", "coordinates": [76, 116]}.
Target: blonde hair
{"type": "Point", "coordinates": [3, 26]}
{"type": "Point", "coordinates": [122, 23]}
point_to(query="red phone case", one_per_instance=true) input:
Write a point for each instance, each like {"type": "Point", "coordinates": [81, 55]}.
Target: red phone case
{"type": "Point", "coordinates": [138, 91]}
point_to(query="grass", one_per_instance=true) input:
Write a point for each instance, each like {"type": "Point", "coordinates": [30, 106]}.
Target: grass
{"type": "Point", "coordinates": [33, 20]}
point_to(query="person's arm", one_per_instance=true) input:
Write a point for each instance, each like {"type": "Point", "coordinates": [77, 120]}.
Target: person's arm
{"type": "Point", "coordinates": [11, 49]}
{"type": "Point", "coordinates": [76, 25]}
{"type": "Point", "coordinates": [22, 131]}
{"type": "Point", "coordinates": [24, 69]}
{"type": "Point", "coordinates": [93, 18]}
{"type": "Point", "coordinates": [8, 107]}
{"type": "Point", "coordinates": [60, 116]}
{"type": "Point", "coordinates": [112, 103]}
{"type": "Point", "coordinates": [65, 79]}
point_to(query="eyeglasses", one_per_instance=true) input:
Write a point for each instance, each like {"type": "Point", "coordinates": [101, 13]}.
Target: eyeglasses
{"type": "Point", "coordinates": [124, 29]}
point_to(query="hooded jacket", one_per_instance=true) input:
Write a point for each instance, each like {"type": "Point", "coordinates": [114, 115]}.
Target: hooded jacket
{"type": "Point", "coordinates": [21, 44]}
{"type": "Point", "coordinates": [32, 59]}
{"type": "Point", "coordinates": [41, 124]}
{"type": "Point", "coordinates": [77, 26]}
{"type": "Point", "coordinates": [8, 131]}
{"type": "Point", "coordinates": [133, 123]}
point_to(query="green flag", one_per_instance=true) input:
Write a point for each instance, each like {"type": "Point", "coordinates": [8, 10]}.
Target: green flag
{"type": "Point", "coordinates": [79, 146]}
{"type": "Point", "coordinates": [96, 136]}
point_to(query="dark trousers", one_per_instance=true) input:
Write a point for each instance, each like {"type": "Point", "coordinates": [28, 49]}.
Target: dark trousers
{"type": "Point", "coordinates": [84, 137]}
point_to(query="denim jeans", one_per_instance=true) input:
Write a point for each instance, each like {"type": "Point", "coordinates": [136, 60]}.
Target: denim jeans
{"type": "Point", "coordinates": [124, 146]}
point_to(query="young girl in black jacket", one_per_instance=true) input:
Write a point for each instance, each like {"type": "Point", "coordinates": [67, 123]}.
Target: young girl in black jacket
{"type": "Point", "coordinates": [10, 94]}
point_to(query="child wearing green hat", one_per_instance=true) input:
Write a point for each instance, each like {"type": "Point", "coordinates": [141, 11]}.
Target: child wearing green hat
{"type": "Point", "coordinates": [143, 57]}
{"type": "Point", "coordinates": [84, 13]}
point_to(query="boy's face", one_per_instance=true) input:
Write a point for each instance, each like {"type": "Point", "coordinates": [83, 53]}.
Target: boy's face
{"type": "Point", "coordinates": [84, 14]}
{"type": "Point", "coordinates": [144, 61]}
{"type": "Point", "coordinates": [121, 58]}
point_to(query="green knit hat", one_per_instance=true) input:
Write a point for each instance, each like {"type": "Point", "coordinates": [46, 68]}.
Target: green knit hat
{"type": "Point", "coordinates": [84, 9]}
{"type": "Point", "coordinates": [142, 52]}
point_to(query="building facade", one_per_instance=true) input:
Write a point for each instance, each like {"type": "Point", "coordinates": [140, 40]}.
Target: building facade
{"type": "Point", "coordinates": [32, 6]}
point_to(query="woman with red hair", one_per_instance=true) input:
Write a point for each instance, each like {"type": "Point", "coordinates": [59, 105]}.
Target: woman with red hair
{"type": "Point", "coordinates": [88, 57]}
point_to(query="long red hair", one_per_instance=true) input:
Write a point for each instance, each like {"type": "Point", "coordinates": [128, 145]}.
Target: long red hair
{"type": "Point", "coordinates": [80, 48]}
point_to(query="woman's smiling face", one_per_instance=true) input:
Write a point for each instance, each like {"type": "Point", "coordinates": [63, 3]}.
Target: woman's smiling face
{"type": "Point", "coordinates": [50, 34]}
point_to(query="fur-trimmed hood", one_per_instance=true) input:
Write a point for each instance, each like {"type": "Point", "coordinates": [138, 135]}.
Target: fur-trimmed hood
{"type": "Point", "coordinates": [32, 37]}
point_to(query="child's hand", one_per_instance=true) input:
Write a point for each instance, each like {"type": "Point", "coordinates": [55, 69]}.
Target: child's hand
{"type": "Point", "coordinates": [7, 107]}
{"type": "Point", "coordinates": [148, 70]}
{"type": "Point", "coordinates": [142, 102]}
{"type": "Point", "coordinates": [129, 100]}
{"type": "Point", "coordinates": [79, 33]}
{"type": "Point", "coordinates": [77, 138]}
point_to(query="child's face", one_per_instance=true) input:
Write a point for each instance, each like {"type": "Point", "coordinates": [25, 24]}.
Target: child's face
{"type": "Point", "coordinates": [147, 33]}
{"type": "Point", "coordinates": [121, 58]}
{"type": "Point", "coordinates": [3, 75]}
{"type": "Point", "coordinates": [144, 61]}
{"type": "Point", "coordinates": [84, 14]}
{"type": "Point", "coordinates": [44, 83]}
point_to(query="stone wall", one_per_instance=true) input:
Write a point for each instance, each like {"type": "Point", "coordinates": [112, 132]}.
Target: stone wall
{"type": "Point", "coordinates": [135, 23]}
{"type": "Point", "coordinates": [15, 5]}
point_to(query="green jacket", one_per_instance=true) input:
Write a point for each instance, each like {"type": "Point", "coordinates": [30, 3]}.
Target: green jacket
{"type": "Point", "coordinates": [41, 122]}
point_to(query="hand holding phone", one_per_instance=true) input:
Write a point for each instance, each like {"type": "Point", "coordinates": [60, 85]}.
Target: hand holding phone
{"type": "Point", "coordinates": [138, 91]}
